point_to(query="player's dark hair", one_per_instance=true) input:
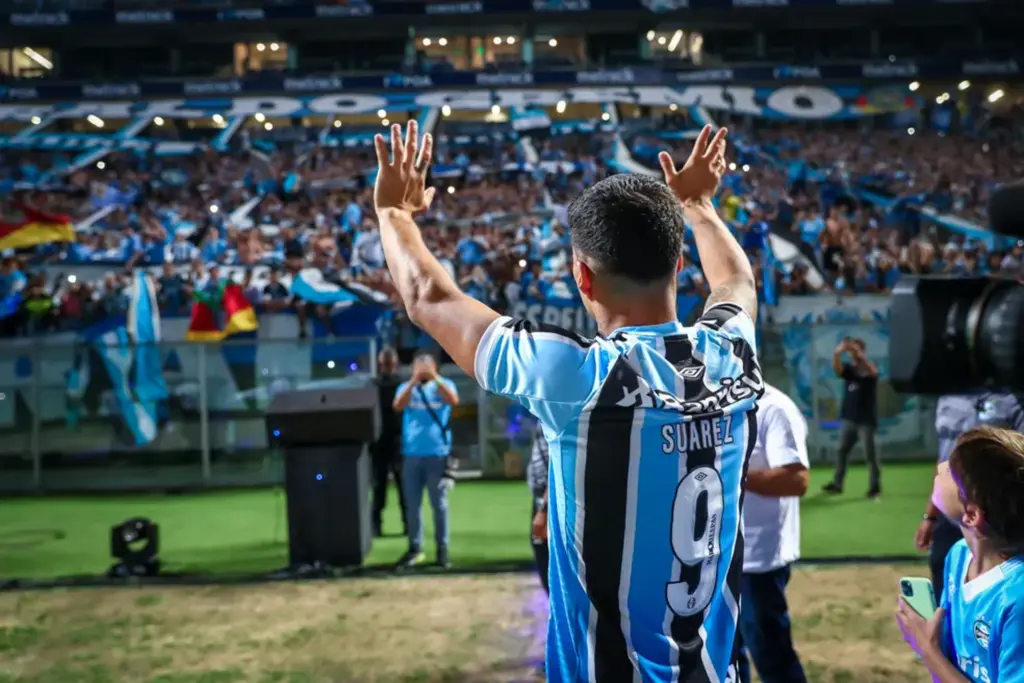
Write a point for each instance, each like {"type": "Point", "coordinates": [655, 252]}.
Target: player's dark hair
{"type": "Point", "coordinates": [629, 226]}
{"type": "Point", "coordinates": [988, 466]}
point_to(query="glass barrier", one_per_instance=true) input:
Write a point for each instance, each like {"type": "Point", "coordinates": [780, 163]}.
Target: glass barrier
{"type": "Point", "coordinates": [86, 417]}
{"type": "Point", "coordinates": [82, 417]}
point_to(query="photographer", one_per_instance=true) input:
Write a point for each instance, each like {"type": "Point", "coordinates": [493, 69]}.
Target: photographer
{"type": "Point", "coordinates": [426, 405]}
{"type": "Point", "coordinates": [859, 413]}
{"type": "Point", "coordinates": [955, 415]}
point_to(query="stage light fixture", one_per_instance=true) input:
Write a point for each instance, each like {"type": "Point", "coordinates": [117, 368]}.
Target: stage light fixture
{"type": "Point", "coordinates": [135, 544]}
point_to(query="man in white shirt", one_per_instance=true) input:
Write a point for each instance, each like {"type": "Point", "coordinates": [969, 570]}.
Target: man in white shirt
{"type": "Point", "coordinates": [776, 478]}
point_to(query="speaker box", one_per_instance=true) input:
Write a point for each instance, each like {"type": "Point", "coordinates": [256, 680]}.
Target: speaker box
{"type": "Point", "coordinates": [324, 434]}
{"type": "Point", "coordinates": [328, 492]}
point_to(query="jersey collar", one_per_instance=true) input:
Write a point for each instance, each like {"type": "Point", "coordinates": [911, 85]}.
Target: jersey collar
{"type": "Point", "coordinates": [659, 330]}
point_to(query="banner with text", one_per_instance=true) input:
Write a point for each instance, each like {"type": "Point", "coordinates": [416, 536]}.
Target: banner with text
{"type": "Point", "coordinates": [363, 9]}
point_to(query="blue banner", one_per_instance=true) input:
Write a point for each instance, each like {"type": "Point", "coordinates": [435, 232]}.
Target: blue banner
{"type": "Point", "coordinates": [361, 9]}
{"type": "Point", "coordinates": [340, 89]}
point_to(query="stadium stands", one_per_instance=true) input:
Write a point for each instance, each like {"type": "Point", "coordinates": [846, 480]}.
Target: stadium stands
{"type": "Point", "coordinates": [854, 198]}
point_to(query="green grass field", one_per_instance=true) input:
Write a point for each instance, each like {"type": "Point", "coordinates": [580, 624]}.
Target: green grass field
{"type": "Point", "coordinates": [241, 532]}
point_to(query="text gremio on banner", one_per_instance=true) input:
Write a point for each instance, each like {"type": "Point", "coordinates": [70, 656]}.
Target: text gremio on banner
{"type": "Point", "coordinates": [796, 102]}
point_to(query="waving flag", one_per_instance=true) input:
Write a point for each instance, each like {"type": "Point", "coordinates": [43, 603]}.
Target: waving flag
{"type": "Point", "coordinates": [769, 267]}
{"type": "Point", "coordinates": [310, 286]}
{"type": "Point", "coordinates": [228, 304]}
{"type": "Point", "coordinates": [35, 227]}
{"type": "Point", "coordinates": [143, 328]}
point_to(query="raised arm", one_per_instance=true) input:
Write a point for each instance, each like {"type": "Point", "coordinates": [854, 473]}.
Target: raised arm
{"type": "Point", "coordinates": [432, 299]}
{"type": "Point", "coordinates": [726, 268]}
{"type": "Point", "coordinates": [837, 359]}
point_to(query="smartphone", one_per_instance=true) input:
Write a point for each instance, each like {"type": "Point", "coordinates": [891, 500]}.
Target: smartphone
{"type": "Point", "coordinates": [919, 594]}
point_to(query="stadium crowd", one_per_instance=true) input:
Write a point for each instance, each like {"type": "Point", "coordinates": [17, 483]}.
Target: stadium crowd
{"type": "Point", "coordinates": [498, 223]}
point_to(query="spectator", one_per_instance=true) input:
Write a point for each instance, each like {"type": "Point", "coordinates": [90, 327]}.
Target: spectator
{"type": "Point", "coordinates": [859, 413]}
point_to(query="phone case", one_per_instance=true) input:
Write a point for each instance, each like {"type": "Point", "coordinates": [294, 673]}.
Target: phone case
{"type": "Point", "coordinates": [919, 594]}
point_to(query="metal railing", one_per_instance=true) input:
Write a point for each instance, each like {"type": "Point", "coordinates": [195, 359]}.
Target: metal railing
{"type": "Point", "coordinates": [75, 417]}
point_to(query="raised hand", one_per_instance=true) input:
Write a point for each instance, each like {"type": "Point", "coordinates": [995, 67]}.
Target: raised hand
{"type": "Point", "coordinates": [698, 179]}
{"type": "Point", "coordinates": [402, 175]}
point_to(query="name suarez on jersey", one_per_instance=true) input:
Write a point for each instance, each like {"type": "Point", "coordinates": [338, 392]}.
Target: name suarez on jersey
{"type": "Point", "coordinates": [707, 432]}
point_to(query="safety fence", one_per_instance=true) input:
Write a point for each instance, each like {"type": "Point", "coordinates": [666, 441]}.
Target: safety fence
{"type": "Point", "coordinates": [77, 417]}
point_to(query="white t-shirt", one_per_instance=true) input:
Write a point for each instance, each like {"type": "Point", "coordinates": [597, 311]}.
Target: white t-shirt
{"type": "Point", "coordinates": [771, 526]}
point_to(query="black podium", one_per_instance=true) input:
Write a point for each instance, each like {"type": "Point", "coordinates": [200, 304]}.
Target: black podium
{"type": "Point", "coordinates": [324, 435]}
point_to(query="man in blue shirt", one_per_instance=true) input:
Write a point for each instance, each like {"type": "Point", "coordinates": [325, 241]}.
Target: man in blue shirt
{"type": "Point", "coordinates": [649, 425]}
{"type": "Point", "coordinates": [425, 402]}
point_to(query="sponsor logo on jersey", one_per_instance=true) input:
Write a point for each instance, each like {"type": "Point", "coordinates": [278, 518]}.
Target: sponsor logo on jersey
{"type": "Point", "coordinates": [730, 391]}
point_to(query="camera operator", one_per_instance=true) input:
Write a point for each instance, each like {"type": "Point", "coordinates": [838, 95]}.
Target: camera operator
{"type": "Point", "coordinates": [956, 415]}
{"type": "Point", "coordinates": [386, 451]}
{"type": "Point", "coordinates": [426, 405]}
{"type": "Point", "coordinates": [859, 412]}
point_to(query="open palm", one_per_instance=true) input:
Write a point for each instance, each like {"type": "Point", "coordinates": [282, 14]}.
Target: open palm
{"type": "Point", "coordinates": [698, 179]}
{"type": "Point", "coordinates": [402, 175]}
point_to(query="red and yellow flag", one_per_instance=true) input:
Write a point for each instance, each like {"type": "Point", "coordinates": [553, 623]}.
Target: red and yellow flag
{"type": "Point", "coordinates": [35, 227]}
{"type": "Point", "coordinates": [239, 316]}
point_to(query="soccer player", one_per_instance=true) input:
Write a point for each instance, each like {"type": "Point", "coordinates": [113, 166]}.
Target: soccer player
{"type": "Point", "coordinates": [648, 426]}
{"type": "Point", "coordinates": [977, 634]}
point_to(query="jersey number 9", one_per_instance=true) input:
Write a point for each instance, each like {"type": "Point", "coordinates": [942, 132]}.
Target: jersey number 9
{"type": "Point", "coordinates": [690, 549]}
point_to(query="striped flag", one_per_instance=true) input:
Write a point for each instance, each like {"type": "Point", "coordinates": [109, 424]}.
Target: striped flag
{"type": "Point", "coordinates": [35, 227]}
{"type": "Point", "coordinates": [147, 382]}
{"type": "Point", "coordinates": [229, 305]}
{"type": "Point", "coordinates": [310, 286]}
{"type": "Point", "coordinates": [769, 266]}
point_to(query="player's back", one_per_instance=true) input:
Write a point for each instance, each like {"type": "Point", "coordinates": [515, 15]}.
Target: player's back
{"type": "Point", "coordinates": [985, 618]}
{"type": "Point", "coordinates": [649, 430]}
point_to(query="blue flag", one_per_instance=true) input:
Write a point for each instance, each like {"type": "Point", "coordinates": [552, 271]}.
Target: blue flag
{"type": "Point", "coordinates": [769, 265]}
{"type": "Point", "coordinates": [310, 286]}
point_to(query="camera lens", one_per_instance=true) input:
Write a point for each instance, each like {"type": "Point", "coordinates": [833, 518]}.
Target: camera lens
{"type": "Point", "coordinates": [908, 590]}
{"type": "Point", "coordinates": [954, 335]}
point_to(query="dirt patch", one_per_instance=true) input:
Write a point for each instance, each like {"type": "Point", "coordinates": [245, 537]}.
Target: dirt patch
{"type": "Point", "coordinates": [432, 629]}
{"type": "Point", "coordinates": [844, 628]}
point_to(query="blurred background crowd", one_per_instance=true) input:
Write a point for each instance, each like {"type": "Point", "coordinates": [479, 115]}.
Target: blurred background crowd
{"type": "Point", "coordinates": [853, 198]}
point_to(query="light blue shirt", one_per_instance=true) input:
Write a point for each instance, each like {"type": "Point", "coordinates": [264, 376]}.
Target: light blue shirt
{"type": "Point", "coordinates": [422, 435]}
{"type": "Point", "coordinates": [984, 629]}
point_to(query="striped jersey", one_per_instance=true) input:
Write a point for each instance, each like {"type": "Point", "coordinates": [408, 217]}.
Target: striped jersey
{"type": "Point", "coordinates": [959, 413]}
{"type": "Point", "coordinates": [649, 431]}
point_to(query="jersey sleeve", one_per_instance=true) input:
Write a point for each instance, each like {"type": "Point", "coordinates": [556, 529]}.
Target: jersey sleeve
{"type": "Point", "coordinates": [401, 387]}
{"type": "Point", "coordinates": [785, 441]}
{"type": "Point", "coordinates": [731, 321]}
{"type": "Point", "coordinates": [451, 387]}
{"type": "Point", "coordinates": [551, 371]}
